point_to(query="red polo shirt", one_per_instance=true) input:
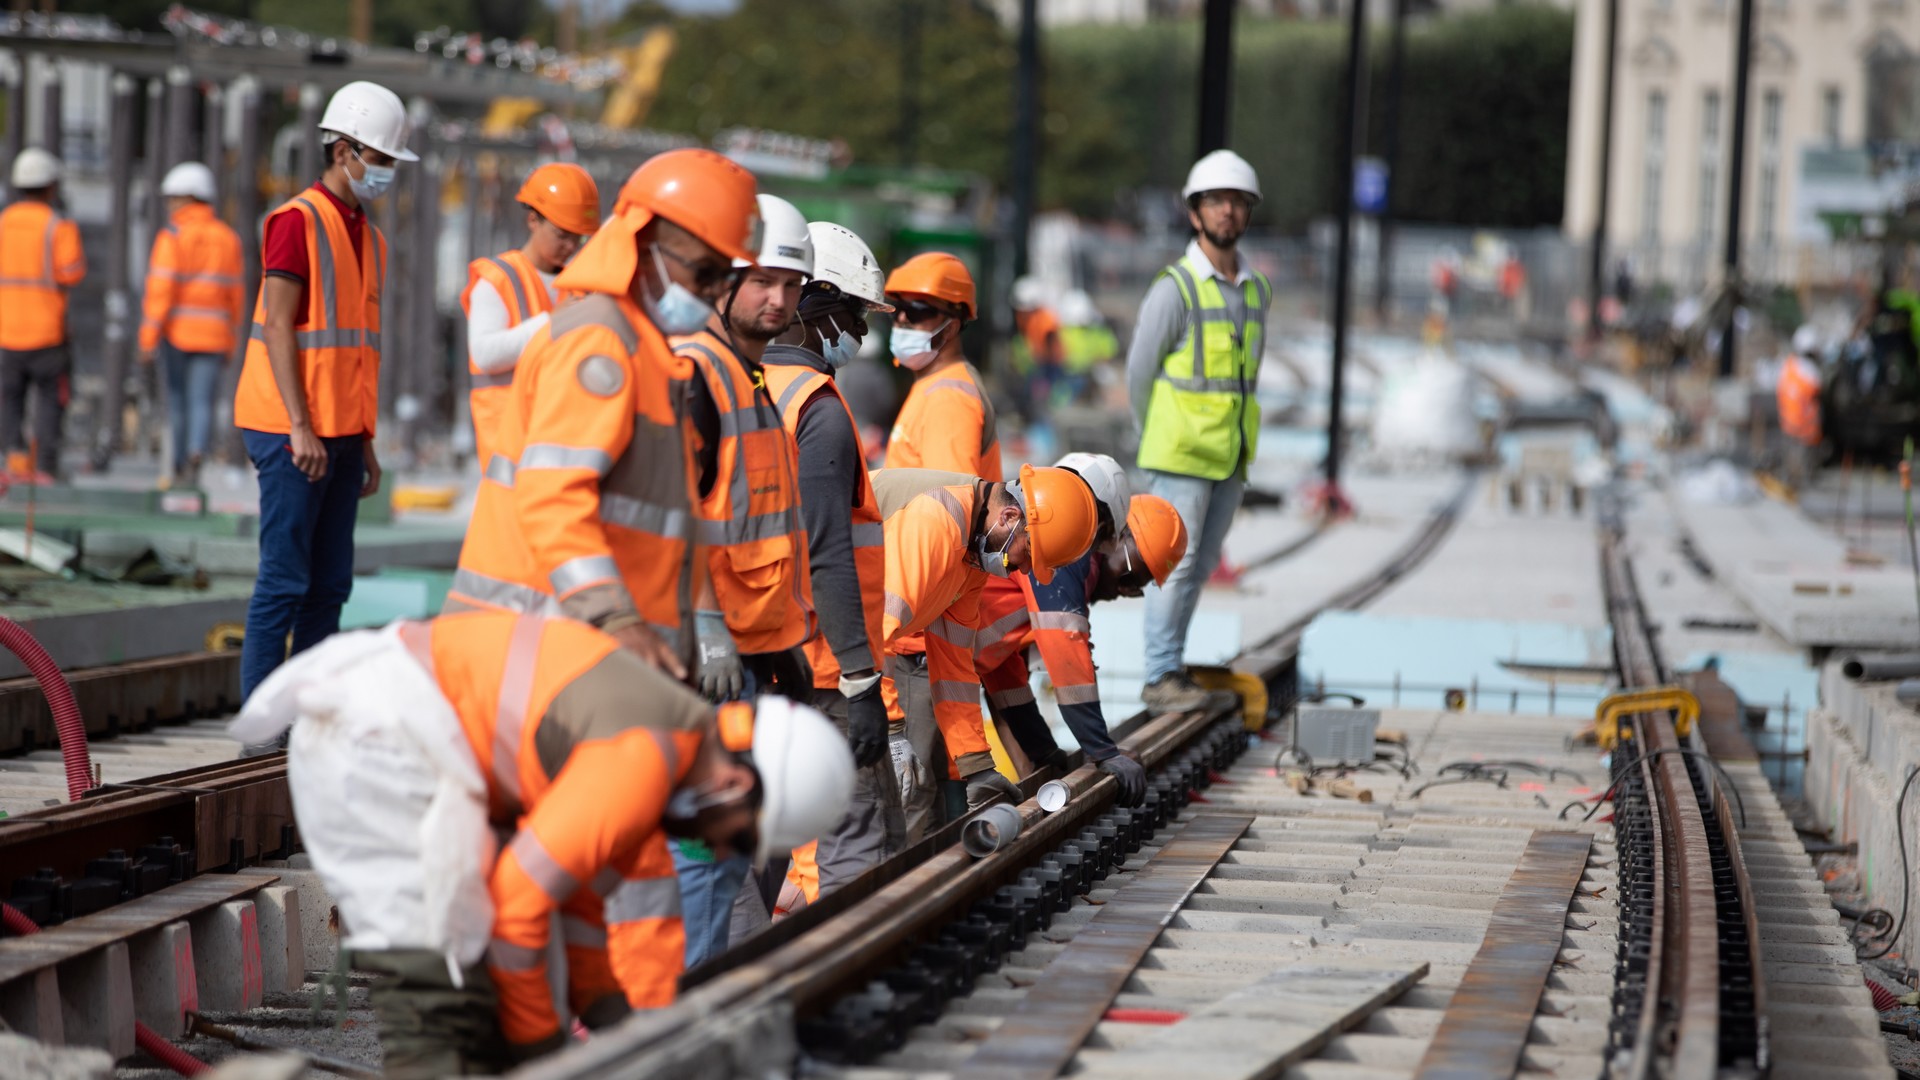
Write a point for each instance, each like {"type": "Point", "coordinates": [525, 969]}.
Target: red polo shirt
{"type": "Point", "coordinates": [283, 250]}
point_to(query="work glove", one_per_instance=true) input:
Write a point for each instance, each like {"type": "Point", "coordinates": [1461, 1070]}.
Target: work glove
{"type": "Point", "coordinates": [718, 674]}
{"type": "Point", "coordinates": [867, 726]}
{"type": "Point", "coordinates": [910, 774]}
{"type": "Point", "coordinates": [988, 785]}
{"type": "Point", "coordinates": [792, 675]}
{"type": "Point", "coordinates": [1131, 775]}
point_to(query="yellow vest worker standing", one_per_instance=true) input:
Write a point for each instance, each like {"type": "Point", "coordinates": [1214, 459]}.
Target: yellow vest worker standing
{"type": "Point", "coordinates": [584, 509]}
{"type": "Point", "coordinates": [509, 295]}
{"type": "Point", "coordinates": [194, 306]}
{"type": "Point", "coordinates": [947, 421]}
{"type": "Point", "coordinates": [310, 386]}
{"type": "Point", "coordinates": [946, 534]}
{"type": "Point", "coordinates": [40, 259]}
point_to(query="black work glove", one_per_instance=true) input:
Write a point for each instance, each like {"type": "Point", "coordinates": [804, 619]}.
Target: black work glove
{"type": "Point", "coordinates": [786, 673]}
{"type": "Point", "coordinates": [1131, 775]}
{"type": "Point", "coordinates": [867, 727]}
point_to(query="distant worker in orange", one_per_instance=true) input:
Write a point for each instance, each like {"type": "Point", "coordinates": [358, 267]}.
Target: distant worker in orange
{"type": "Point", "coordinates": [947, 421]}
{"type": "Point", "coordinates": [1038, 345]}
{"type": "Point", "coordinates": [40, 261]}
{"type": "Point", "coordinates": [946, 535]}
{"type": "Point", "coordinates": [509, 295]}
{"type": "Point", "coordinates": [195, 304]}
{"type": "Point", "coordinates": [585, 509]}
{"type": "Point", "coordinates": [583, 758]}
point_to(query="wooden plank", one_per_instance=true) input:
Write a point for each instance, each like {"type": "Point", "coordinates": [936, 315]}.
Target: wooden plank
{"type": "Point", "coordinates": [1077, 988]}
{"type": "Point", "coordinates": [1264, 1029]}
{"type": "Point", "coordinates": [22, 956]}
{"type": "Point", "coordinates": [1486, 1023]}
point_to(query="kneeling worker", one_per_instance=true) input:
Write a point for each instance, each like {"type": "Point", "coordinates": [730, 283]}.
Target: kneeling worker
{"type": "Point", "coordinates": [490, 721]}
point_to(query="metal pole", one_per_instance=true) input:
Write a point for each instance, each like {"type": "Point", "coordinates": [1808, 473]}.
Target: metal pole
{"type": "Point", "coordinates": [1390, 150]}
{"type": "Point", "coordinates": [1026, 147]}
{"type": "Point", "coordinates": [119, 329]}
{"type": "Point", "coordinates": [1216, 76]}
{"type": "Point", "coordinates": [213, 139]}
{"type": "Point", "coordinates": [396, 298]}
{"type": "Point", "coordinates": [1343, 255]}
{"type": "Point", "coordinates": [424, 361]}
{"type": "Point", "coordinates": [180, 145]}
{"type": "Point", "coordinates": [156, 160]}
{"type": "Point", "coordinates": [909, 80]}
{"type": "Point", "coordinates": [51, 124]}
{"type": "Point", "coordinates": [1597, 256]}
{"type": "Point", "coordinates": [1736, 183]}
{"type": "Point", "coordinates": [246, 221]}
{"type": "Point", "coordinates": [16, 136]}
{"type": "Point", "coordinates": [311, 162]}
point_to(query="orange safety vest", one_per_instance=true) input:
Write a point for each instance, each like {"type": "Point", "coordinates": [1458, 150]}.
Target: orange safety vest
{"type": "Point", "coordinates": [948, 422]}
{"type": "Point", "coordinates": [514, 277]}
{"type": "Point", "coordinates": [589, 847]}
{"type": "Point", "coordinates": [1010, 621]}
{"type": "Point", "coordinates": [750, 520]}
{"type": "Point", "coordinates": [339, 343]}
{"type": "Point", "coordinates": [1798, 396]}
{"type": "Point", "coordinates": [40, 259]}
{"type": "Point", "coordinates": [195, 295]}
{"type": "Point", "coordinates": [584, 508]}
{"type": "Point", "coordinates": [792, 386]}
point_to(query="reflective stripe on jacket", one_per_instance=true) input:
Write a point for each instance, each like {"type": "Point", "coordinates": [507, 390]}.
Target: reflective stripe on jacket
{"type": "Point", "coordinates": [40, 259]}
{"type": "Point", "coordinates": [514, 277]}
{"type": "Point", "coordinates": [1202, 419]}
{"type": "Point", "coordinates": [339, 343]}
{"type": "Point", "coordinates": [1011, 619]}
{"type": "Point", "coordinates": [750, 519]}
{"type": "Point", "coordinates": [195, 297]}
{"type": "Point", "coordinates": [948, 422]}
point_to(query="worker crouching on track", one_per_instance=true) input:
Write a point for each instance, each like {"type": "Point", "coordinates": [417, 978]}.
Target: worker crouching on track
{"type": "Point", "coordinates": [417, 744]}
{"type": "Point", "coordinates": [946, 534]}
{"type": "Point", "coordinates": [947, 421]}
{"type": "Point", "coordinates": [195, 301]}
{"type": "Point", "coordinates": [510, 296]}
{"type": "Point", "coordinates": [846, 553]}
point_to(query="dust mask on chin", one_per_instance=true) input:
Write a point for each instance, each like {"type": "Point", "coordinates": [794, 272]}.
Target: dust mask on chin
{"type": "Point", "coordinates": [913, 349]}
{"type": "Point", "coordinates": [677, 310]}
{"type": "Point", "coordinates": [840, 350]}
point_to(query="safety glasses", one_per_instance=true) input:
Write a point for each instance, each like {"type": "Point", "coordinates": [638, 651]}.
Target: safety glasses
{"type": "Point", "coordinates": [707, 273]}
{"type": "Point", "coordinates": [917, 312]}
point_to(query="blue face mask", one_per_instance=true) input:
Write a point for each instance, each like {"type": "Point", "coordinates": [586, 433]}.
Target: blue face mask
{"type": "Point", "coordinates": [840, 350]}
{"type": "Point", "coordinates": [677, 310]}
{"type": "Point", "coordinates": [995, 562]}
{"type": "Point", "coordinates": [914, 348]}
{"type": "Point", "coordinates": [373, 183]}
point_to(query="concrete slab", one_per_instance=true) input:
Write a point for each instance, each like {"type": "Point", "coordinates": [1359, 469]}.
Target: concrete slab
{"type": "Point", "coordinates": [164, 986]}
{"type": "Point", "coordinates": [96, 1000]}
{"type": "Point", "coordinates": [283, 953]}
{"type": "Point", "coordinates": [31, 1006]}
{"type": "Point", "coordinates": [226, 955]}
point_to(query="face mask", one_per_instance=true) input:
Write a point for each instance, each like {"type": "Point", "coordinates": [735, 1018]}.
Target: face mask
{"type": "Point", "coordinates": [842, 349]}
{"type": "Point", "coordinates": [373, 183]}
{"type": "Point", "coordinates": [995, 562]}
{"type": "Point", "coordinates": [914, 348]}
{"type": "Point", "coordinates": [684, 807]}
{"type": "Point", "coordinates": [677, 311]}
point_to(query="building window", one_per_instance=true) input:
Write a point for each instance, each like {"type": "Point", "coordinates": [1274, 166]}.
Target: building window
{"type": "Point", "coordinates": [1654, 169]}
{"type": "Point", "coordinates": [1770, 108]}
{"type": "Point", "coordinates": [1830, 116]}
{"type": "Point", "coordinates": [1709, 164]}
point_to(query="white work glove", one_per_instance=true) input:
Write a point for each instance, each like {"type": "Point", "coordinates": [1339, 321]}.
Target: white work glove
{"type": "Point", "coordinates": [718, 674]}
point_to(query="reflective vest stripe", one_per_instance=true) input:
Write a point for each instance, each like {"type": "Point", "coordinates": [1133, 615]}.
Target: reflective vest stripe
{"type": "Point", "coordinates": [520, 306]}
{"type": "Point", "coordinates": [510, 718]}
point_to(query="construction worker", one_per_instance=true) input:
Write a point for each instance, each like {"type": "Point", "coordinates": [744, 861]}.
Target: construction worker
{"type": "Point", "coordinates": [509, 295]}
{"type": "Point", "coordinates": [1191, 373]}
{"type": "Point", "coordinates": [946, 534]}
{"type": "Point", "coordinates": [1038, 350]}
{"type": "Point", "coordinates": [40, 260]}
{"type": "Point", "coordinates": [583, 758]}
{"type": "Point", "coordinates": [947, 421]}
{"type": "Point", "coordinates": [195, 302]}
{"type": "Point", "coordinates": [310, 384]}
{"type": "Point", "coordinates": [1017, 614]}
{"type": "Point", "coordinates": [755, 609]}
{"type": "Point", "coordinates": [846, 552]}
{"type": "Point", "coordinates": [584, 509]}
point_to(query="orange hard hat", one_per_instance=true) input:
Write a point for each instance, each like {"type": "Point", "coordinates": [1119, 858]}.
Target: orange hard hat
{"type": "Point", "coordinates": [1158, 533]}
{"type": "Point", "coordinates": [935, 275]}
{"type": "Point", "coordinates": [1061, 518]}
{"type": "Point", "coordinates": [564, 194]}
{"type": "Point", "coordinates": [700, 191]}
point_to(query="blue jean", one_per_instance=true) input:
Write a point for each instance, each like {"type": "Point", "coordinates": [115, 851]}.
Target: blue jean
{"type": "Point", "coordinates": [191, 378]}
{"type": "Point", "coordinates": [306, 550]}
{"type": "Point", "coordinates": [1207, 507]}
{"type": "Point", "coordinates": [707, 889]}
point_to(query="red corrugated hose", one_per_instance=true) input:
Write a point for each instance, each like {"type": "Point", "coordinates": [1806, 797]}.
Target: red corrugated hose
{"type": "Point", "coordinates": [73, 750]}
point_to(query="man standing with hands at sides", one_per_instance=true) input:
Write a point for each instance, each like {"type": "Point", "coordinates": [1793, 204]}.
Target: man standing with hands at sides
{"type": "Point", "coordinates": [309, 389]}
{"type": "Point", "coordinates": [1191, 373]}
{"type": "Point", "coordinates": [509, 295]}
{"type": "Point", "coordinates": [947, 421]}
{"type": "Point", "coordinates": [40, 261]}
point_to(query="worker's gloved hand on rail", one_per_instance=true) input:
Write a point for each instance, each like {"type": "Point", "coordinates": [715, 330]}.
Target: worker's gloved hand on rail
{"type": "Point", "coordinates": [719, 675]}
{"type": "Point", "coordinates": [988, 785]}
{"type": "Point", "coordinates": [1131, 775]}
{"type": "Point", "coordinates": [866, 721]}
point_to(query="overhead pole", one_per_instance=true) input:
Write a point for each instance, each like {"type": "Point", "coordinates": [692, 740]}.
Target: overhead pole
{"type": "Point", "coordinates": [1216, 76]}
{"type": "Point", "coordinates": [119, 328]}
{"type": "Point", "coordinates": [1736, 184]}
{"type": "Point", "coordinates": [1597, 251]}
{"type": "Point", "coordinates": [245, 93]}
{"type": "Point", "coordinates": [1026, 144]}
{"type": "Point", "coordinates": [908, 135]}
{"type": "Point", "coordinates": [1390, 151]}
{"type": "Point", "coordinates": [51, 124]}
{"type": "Point", "coordinates": [16, 137]}
{"type": "Point", "coordinates": [1333, 499]}
{"type": "Point", "coordinates": [213, 139]}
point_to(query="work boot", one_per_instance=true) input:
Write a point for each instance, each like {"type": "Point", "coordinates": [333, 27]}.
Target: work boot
{"type": "Point", "coordinates": [1173, 693]}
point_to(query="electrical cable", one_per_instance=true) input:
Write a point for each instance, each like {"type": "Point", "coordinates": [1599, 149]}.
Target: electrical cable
{"type": "Point", "coordinates": [1906, 884]}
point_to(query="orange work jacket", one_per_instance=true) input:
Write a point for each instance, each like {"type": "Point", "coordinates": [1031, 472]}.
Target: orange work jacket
{"type": "Point", "coordinates": [1798, 397]}
{"type": "Point", "coordinates": [40, 259]}
{"type": "Point", "coordinates": [584, 508]}
{"type": "Point", "coordinates": [339, 344]}
{"type": "Point", "coordinates": [580, 780]}
{"type": "Point", "coordinates": [1010, 621]}
{"type": "Point", "coordinates": [514, 277]}
{"type": "Point", "coordinates": [947, 422]}
{"type": "Point", "coordinates": [750, 520]}
{"type": "Point", "coordinates": [195, 293]}
{"type": "Point", "coordinates": [792, 386]}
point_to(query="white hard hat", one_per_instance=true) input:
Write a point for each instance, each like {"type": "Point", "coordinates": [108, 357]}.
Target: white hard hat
{"type": "Point", "coordinates": [1222, 170]}
{"type": "Point", "coordinates": [1077, 309]}
{"type": "Point", "coordinates": [189, 178]}
{"type": "Point", "coordinates": [845, 260]}
{"type": "Point", "coordinates": [1806, 340]}
{"type": "Point", "coordinates": [371, 115]}
{"type": "Point", "coordinates": [785, 243]}
{"type": "Point", "coordinates": [35, 168]}
{"type": "Point", "coordinates": [806, 774]}
{"type": "Point", "coordinates": [1108, 481]}
{"type": "Point", "coordinates": [1028, 293]}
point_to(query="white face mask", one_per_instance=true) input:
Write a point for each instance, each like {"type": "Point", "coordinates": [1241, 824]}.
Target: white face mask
{"type": "Point", "coordinates": [840, 350]}
{"type": "Point", "coordinates": [914, 348]}
{"type": "Point", "coordinates": [677, 310]}
{"type": "Point", "coordinates": [373, 182]}
{"type": "Point", "coordinates": [995, 562]}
